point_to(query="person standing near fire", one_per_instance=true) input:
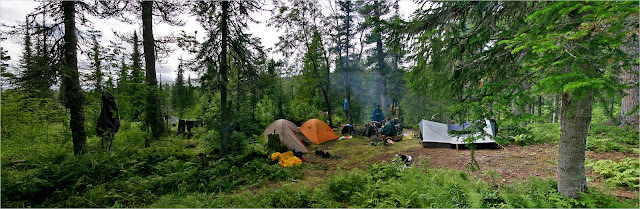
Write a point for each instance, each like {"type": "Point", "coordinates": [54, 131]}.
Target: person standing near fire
{"type": "Point", "coordinates": [377, 115]}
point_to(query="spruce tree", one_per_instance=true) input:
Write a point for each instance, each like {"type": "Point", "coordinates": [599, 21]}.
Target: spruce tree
{"type": "Point", "coordinates": [373, 13]}
{"type": "Point", "coordinates": [179, 92]}
{"type": "Point", "coordinates": [71, 81]}
{"type": "Point", "coordinates": [137, 91]}
{"type": "Point", "coordinates": [226, 42]}
{"type": "Point", "coordinates": [304, 27]}
{"type": "Point", "coordinates": [96, 64]}
{"type": "Point", "coordinates": [153, 116]}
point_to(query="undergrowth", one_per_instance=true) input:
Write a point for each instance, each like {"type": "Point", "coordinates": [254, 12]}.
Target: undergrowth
{"type": "Point", "coordinates": [392, 185]}
{"type": "Point", "coordinates": [622, 174]}
{"type": "Point", "coordinates": [601, 138]}
{"type": "Point", "coordinates": [128, 176]}
{"type": "Point", "coordinates": [605, 138]}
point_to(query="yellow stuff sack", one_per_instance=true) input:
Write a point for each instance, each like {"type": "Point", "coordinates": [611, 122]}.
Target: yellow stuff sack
{"type": "Point", "coordinates": [407, 136]}
{"type": "Point", "coordinates": [286, 159]}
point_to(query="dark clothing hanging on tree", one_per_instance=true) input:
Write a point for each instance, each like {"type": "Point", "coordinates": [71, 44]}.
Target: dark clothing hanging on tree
{"type": "Point", "coordinates": [109, 121]}
{"type": "Point", "coordinates": [181, 126]}
{"type": "Point", "coordinates": [185, 126]}
{"type": "Point", "coordinates": [190, 124]}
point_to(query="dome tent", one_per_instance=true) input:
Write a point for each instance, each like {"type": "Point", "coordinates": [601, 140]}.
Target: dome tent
{"type": "Point", "coordinates": [317, 131]}
{"type": "Point", "coordinates": [289, 133]}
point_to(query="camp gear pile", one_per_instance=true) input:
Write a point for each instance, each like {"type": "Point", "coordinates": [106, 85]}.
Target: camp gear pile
{"type": "Point", "coordinates": [325, 154]}
{"type": "Point", "coordinates": [347, 130]}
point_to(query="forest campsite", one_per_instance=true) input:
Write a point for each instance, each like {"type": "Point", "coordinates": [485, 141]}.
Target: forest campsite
{"type": "Point", "coordinates": [319, 104]}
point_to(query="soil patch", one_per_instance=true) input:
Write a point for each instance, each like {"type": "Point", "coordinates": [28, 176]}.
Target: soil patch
{"type": "Point", "coordinates": [514, 163]}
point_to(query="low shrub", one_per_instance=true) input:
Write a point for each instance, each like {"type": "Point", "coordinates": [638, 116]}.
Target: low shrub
{"type": "Point", "coordinates": [545, 133]}
{"type": "Point", "coordinates": [605, 138]}
{"type": "Point", "coordinates": [510, 130]}
{"type": "Point", "coordinates": [342, 187]}
{"type": "Point", "coordinates": [539, 193]}
{"type": "Point", "coordinates": [602, 137]}
{"type": "Point", "coordinates": [622, 174]}
{"type": "Point", "coordinates": [534, 133]}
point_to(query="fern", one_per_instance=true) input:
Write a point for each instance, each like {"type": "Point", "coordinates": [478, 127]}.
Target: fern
{"type": "Point", "coordinates": [623, 174]}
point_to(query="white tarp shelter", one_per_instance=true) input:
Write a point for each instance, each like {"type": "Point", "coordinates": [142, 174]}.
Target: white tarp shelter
{"type": "Point", "coordinates": [439, 132]}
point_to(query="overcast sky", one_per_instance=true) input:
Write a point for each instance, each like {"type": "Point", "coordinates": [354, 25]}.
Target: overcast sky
{"type": "Point", "coordinates": [12, 12]}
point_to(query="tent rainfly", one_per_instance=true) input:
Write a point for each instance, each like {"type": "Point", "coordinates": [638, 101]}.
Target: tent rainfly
{"type": "Point", "coordinates": [439, 133]}
{"type": "Point", "coordinates": [317, 131]}
{"type": "Point", "coordinates": [289, 134]}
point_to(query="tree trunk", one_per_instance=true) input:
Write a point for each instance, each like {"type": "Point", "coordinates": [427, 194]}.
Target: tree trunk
{"type": "Point", "coordinates": [349, 105]}
{"type": "Point", "coordinates": [525, 104]}
{"type": "Point", "coordinates": [281, 96]}
{"type": "Point", "coordinates": [314, 57]}
{"type": "Point", "coordinates": [629, 105]}
{"type": "Point", "coordinates": [253, 103]}
{"type": "Point", "coordinates": [532, 108]}
{"type": "Point", "coordinates": [349, 77]}
{"type": "Point", "coordinates": [73, 92]}
{"type": "Point", "coordinates": [539, 105]}
{"type": "Point", "coordinates": [96, 62]}
{"type": "Point", "coordinates": [153, 101]}
{"type": "Point", "coordinates": [328, 96]}
{"type": "Point", "coordinates": [238, 93]}
{"type": "Point", "coordinates": [517, 110]}
{"type": "Point", "coordinates": [576, 116]}
{"type": "Point", "coordinates": [327, 93]}
{"type": "Point", "coordinates": [223, 74]}
{"type": "Point", "coordinates": [607, 105]}
{"type": "Point", "coordinates": [556, 103]}
{"type": "Point", "coordinates": [383, 94]}
{"type": "Point", "coordinates": [612, 101]}
{"type": "Point", "coordinates": [380, 62]}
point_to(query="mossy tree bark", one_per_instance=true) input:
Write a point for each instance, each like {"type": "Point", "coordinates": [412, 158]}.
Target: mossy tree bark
{"type": "Point", "coordinates": [74, 96]}
{"type": "Point", "coordinates": [153, 117]}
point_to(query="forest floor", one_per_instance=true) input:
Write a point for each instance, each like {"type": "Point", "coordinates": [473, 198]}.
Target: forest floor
{"type": "Point", "coordinates": [502, 165]}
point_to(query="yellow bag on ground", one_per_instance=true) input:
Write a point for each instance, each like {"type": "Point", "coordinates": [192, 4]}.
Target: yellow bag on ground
{"type": "Point", "coordinates": [286, 159]}
{"type": "Point", "coordinates": [407, 136]}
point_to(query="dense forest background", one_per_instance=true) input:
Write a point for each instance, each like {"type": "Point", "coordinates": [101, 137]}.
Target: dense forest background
{"type": "Point", "coordinates": [566, 67]}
